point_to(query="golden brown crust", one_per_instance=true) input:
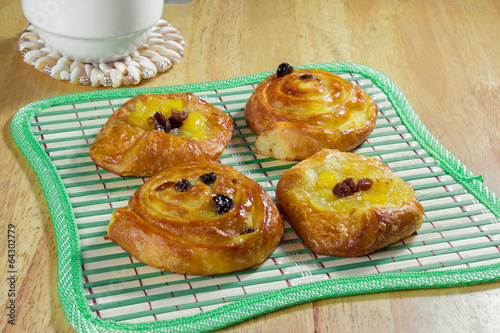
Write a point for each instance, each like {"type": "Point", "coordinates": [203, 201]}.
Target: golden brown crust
{"type": "Point", "coordinates": [180, 232]}
{"type": "Point", "coordinates": [355, 225]}
{"type": "Point", "coordinates": [295, 117]}
{"type": "Point", "coordinates": [128, 150]}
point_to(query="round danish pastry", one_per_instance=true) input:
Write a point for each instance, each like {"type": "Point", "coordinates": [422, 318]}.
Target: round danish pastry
{"type": "Point", "coordinates": [347, 205]}
{"type": "Point", "coordinates": [198, 218]}
{"type": "Point", "coordinates": [153, 131]}
{"type": "Point", "coordinates": [298, 112]}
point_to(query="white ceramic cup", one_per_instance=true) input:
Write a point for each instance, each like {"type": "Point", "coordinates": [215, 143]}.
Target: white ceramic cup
{"type": "Point", "coordinates": [93, 30]}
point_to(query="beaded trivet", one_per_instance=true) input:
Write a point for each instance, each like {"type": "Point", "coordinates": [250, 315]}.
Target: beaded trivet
{"type": "Point", "coordinates": [163, 48]}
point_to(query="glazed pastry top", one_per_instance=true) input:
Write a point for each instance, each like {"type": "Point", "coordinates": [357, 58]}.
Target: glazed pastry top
{"type": "Point", "coordinates": [316, 97]}
{"type": "Point", "coordinates": [191, 213]}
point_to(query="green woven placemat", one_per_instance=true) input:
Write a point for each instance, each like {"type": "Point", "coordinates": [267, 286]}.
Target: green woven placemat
{"type": "Point", "coordinates": [104, 289]}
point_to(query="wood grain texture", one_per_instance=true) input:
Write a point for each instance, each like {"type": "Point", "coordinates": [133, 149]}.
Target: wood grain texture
{"type": "Point", "coordinates": [444, 55]}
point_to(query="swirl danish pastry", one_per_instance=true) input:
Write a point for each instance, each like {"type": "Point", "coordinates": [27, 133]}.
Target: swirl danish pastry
{"type": "Point", "coordinates": [198, 218]}
{"type": "Point", "coordinates": [298, 112]}
{"type": "Point", "coordinates": [153, 131]}
{"type": "Point", "coordinates": [347, 205]}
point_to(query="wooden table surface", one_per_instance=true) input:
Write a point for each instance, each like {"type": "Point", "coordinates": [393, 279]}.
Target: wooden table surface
{"type": "Point", "coordinates": [444, 55]}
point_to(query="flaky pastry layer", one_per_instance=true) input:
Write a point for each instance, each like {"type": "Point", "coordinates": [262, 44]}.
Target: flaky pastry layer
{"type": "Point", "coordinates": [349, 226]}
{"type": "Point", "coordinates": [300, 113]}
{"type": "Point", "coordinates": [183, 232]}
{"type": "Point", "coordinates": [127, 149]}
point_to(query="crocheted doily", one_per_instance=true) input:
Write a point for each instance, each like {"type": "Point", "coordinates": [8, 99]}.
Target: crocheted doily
{"type": "Point", "coordinates": [163, 48]}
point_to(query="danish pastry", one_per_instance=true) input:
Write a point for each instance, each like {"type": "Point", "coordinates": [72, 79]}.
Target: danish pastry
{"type": "Point", "coordinates": [153, 131]}
{"type": "Point", "coordinates": [298, 112]}
{"type": "Point", "coordinates": [347, 205]}
{"type": "Point", "coordinates": [198, 218]}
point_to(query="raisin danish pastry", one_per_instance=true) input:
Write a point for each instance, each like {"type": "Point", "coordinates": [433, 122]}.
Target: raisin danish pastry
{"type": "Point", "coordinates": [347, 205]}
{"type": "Point", "coordinates": [298, 112]}
{"type": "Point", "coordinates": [198, 218]}
{"type": "Point", "coordinates": [153, 131]}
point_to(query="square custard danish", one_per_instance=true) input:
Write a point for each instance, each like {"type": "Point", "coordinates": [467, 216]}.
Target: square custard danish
{"type": "Point", "coordinates": [153, 131]}
{"type": "Point", "coordinates": [347, 205]}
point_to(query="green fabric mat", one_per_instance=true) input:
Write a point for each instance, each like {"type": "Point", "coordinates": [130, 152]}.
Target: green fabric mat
{"type": "Point", "coordinates": [103, 289]}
